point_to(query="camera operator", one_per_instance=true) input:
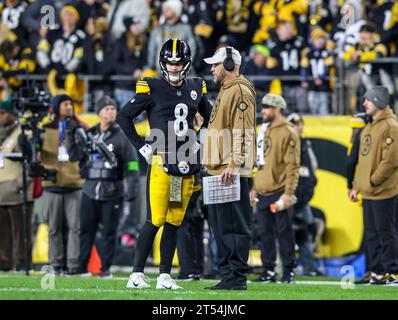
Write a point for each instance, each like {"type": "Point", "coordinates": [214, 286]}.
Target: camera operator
{"type": "Point", "coordinates": [61, 199]}
{"type": "Point", "coordinates": [103, 192]}
{"type": "Point", "coordinates": [12, 245]}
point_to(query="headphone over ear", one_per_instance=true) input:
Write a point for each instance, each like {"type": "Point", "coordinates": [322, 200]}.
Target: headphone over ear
{"type": "Point", "coordinates": [229, 63]}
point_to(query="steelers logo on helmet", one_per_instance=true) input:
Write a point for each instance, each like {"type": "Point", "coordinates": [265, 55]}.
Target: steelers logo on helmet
{"type": "Point", "coordinates": [183, 166]}
{"type": "Point", "coordinates": [175, 51]}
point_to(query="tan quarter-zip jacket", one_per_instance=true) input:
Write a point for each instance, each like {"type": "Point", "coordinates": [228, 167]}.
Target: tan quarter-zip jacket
{"type": "Point", "coordinates": [231, 135]}
{"type": "Point", "coordinates": [376, 176]}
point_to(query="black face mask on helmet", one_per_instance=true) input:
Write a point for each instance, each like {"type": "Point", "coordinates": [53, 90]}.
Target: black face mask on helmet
{"type": "Point", "coordinates": [175, 51]}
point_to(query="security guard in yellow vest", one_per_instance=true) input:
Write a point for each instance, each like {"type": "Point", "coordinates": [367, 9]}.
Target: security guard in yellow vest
{"type": "Point", "coordinates": [12, 247]}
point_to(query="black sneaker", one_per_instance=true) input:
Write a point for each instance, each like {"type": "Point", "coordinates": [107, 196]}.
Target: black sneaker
{"type": "Point", "coordinates": [392, 280]}
{"type": "Point", "coordinates": [235, 286]}
{"type": "Point", "coordinates": [288, 277]}
{"type": "Point", "coordinates": [366, 278]}
{"type": "Point", "coordinates": [229, 285]}
{"type": "Point", "coordinates": [380, 279]}
{"type": "Point", "coordinates": [314, 273]}
{"type": "Point", "coordinates": [267, 277]}
{"type": "Point", "coordinates": [105, 275]}
{"type": "Point", "coordinates": [189, 277]}
{"type": "Point", "coordinates": [73, 272]}
{"type": "Point", "coordinates": [220, 285]}
{"type": "Point", "coordinates": [59, 271]}
{"type": "Point", "coordinates": [212, 276]}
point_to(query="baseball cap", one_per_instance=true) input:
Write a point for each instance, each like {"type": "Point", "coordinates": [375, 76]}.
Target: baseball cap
{"type": "Point", "coordinates": [379, 96]}
{"type": "Point", "coordinates": [273, 100]}
{"type": "Point", "coordinates": [220, 55]}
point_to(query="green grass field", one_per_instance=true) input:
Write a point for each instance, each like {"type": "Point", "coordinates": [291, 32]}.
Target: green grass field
{"type": "Point", "coordinates": [18, 286]}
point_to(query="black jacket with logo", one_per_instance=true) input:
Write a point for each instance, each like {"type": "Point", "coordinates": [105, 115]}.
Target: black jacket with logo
{"type": "Point", "coordinates": [127, 167]}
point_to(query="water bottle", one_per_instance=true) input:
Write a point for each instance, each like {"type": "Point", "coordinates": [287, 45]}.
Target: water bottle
{"type": "Point", "coordinates": [277, 206]}
{"type": "Point", "coordinates": [280, 205]}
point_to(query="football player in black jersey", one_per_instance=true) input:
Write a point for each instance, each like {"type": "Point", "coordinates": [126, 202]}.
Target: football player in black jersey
{"type": "Point", "coordinates": [171, 102]}
{"type": "Point", "coordinates": [285, 48]}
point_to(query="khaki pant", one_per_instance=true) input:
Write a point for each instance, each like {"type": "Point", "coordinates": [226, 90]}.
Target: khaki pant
{"type": "Point", "coordinates": [63, 212]}
{"type": "Point", "coordinates": [12, 245]}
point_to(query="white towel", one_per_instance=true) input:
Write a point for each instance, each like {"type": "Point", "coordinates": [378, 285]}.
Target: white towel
{"type": "Point", "coordinates": [260, 145]}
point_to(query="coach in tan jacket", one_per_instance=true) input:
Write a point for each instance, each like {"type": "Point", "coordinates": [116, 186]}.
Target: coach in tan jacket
{"type": "Point", "coordinates": [376, 178]}
{"type": "Point", "coordinates": [276, 179]}
{"type": "Point", "coordinates": [229, 150]}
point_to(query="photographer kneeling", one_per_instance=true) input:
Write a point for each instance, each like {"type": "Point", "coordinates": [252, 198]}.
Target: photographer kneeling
{"type": "Point", "coordinates": [62, 198]}
{"type": "Point", "coordinates": [109, 158]}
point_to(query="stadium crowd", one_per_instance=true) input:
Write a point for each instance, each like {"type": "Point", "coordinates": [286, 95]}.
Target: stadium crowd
{"type": "Point", "coordinates": [290, 48]}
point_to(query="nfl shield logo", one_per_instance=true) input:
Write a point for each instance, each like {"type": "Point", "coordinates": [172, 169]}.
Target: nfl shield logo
{"type": "Point", "coordinates": [194, 95]}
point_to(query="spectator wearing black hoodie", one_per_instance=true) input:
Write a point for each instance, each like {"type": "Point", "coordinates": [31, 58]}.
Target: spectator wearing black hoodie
{"type": "Point", "coordinates": [61, 199]}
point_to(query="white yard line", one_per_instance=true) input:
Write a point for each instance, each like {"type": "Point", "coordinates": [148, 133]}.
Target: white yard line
{"type": "Point", "coordinates": [324, 283]}
{"type": "Point", "coordinates": [92, 290]}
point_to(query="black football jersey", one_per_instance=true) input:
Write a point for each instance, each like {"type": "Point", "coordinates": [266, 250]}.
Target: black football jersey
{"type": "Point", "coordinates": [287, 55]}
{"type": "Point", "coordinates": [171, 111]}
{"type": "Point", "coordinates": [12, 18]}
{"type": "Point", "coordinates": [65, 50]}
{"type": "Point", "coordinates": [317, 65]}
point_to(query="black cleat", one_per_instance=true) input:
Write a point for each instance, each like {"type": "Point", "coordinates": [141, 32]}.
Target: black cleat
{"type": "Point", "coordinates": [392, 280]}
{"type": "Point", "coordinates": [228, 286]}
{"type": "Point", "coordinates": [267, 277]}
{"type": "Point", "coordinates": [105, 275]}
{"type": "Point", "coordinates": [288, 277]}
{"type": "Point", "coordinates": [73, 272]}
{"type": "Point", "coordinates": [314, 273]}
{"type": "Point", "coordinates": [366, 278]}
{"type": "Point", "coordinates": [218, 286]}
{"type": "Point", "coordinates": [59, 271]}
{"type": "Point", "coordinates": [228, 283]}
{"type": "Point", "coordinates": [189, 277]}
{"type": "Point", "coordinates": [386, 279]}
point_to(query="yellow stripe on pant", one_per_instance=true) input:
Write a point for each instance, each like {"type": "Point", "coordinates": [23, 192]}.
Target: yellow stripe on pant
{"type": "Point", "coordinates": [159, 212]}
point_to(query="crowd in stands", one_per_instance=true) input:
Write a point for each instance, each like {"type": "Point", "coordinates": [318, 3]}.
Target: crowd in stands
{"type": "Point", "coordinates": [296, 45]}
